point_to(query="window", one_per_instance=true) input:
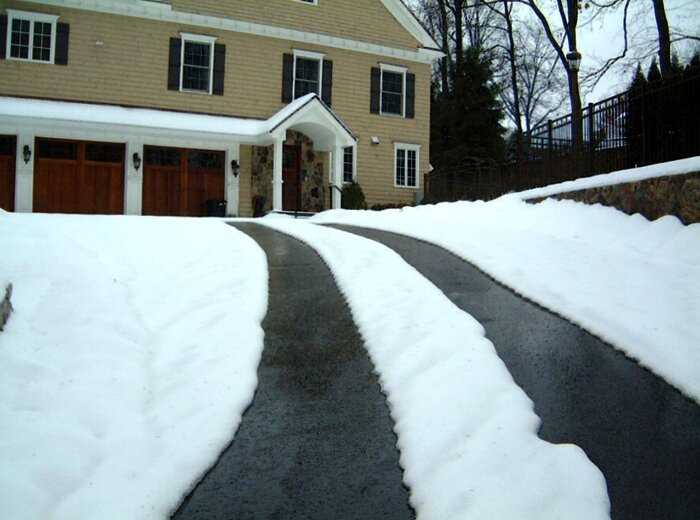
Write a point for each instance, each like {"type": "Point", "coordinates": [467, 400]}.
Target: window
{"type": "Point", "coordinates": [406, 165]}
{"type": "Point", "coordinates": [31, 36]}
{"type": "Point", "coordinates": [349, 164]}
{"type": "Point", "coordinates": [393, 90]}
{"type": "Point", "coordinates": [196, 74]}
{"type": "Point", "coordinates": [308, 72]}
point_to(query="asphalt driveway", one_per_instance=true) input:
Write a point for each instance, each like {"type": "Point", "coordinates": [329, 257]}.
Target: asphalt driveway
{"type": "Point", "coordinates": [641, 432]}
{"type": "Point", "coordinates": [317, 441]}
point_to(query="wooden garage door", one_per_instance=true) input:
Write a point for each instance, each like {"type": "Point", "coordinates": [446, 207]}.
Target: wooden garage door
{"type": "Point", "coordinates": [7, 172]}
{"type": "Point", "coordinates": [178, 181]}
{"type": "Point", "coordinates": [78, 177]}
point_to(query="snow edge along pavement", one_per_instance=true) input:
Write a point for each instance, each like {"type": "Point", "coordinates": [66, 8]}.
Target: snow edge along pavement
{"type": "Point", "coordinates": [467, 434]}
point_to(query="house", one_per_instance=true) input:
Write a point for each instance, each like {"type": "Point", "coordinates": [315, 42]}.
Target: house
{"type": "Point", "coordinates": [156, 107]}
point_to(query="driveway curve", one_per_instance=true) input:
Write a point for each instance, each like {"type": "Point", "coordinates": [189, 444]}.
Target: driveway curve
{"type": "Point", "coordinates": [317, 442]}
{"type": "Point", "coordinates": [642, 433]}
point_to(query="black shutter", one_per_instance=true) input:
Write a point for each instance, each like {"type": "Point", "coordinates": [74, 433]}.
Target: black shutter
{"type": "Point", "coordinates": [375, 95]}
{"type": "Point", "coordinates": [327, 87]}
{"type": "Point", "coordinates": [174, 64]}
{"type": "Point", "coordinates": [62, 33]}
{"type": "Point", "coordinates": [3, 35]}
{"type": "Point", "coordinates": [287, 77]}
{"type": "Point", "coordinates": [410, 96]}
{"type": "Point", "coordinates": [219, 69]}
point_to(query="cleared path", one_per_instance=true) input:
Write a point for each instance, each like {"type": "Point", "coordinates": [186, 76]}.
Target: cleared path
{"type": "Point", "coordinates": [317, 441]}
{"type": "Point", "coordinates": [642, 433]}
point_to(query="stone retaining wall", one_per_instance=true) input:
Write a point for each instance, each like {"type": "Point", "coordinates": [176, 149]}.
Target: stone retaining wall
{"type": "Point", "coordinates": [5, 305]}
{"type": "Point", "coordinates": [677, 195]}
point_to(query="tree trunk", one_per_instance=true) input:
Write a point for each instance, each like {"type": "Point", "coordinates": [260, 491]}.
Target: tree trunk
{"type": "Point", "coordinates": [576, 114]}
{"type": "Point", "coordinates": [444, 66]}
{"type": "Point", "coordinates": [514, 80]}
{"type": "Point", "coordinates": [457, 11]}
{"type": "Point", "coordinates": [664, 37]}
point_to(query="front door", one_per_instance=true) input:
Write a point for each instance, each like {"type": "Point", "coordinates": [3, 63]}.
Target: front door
{"type": "Point", "coordinates": [291, 175]}
{"type": "Point", "coordinates": [7, 172]}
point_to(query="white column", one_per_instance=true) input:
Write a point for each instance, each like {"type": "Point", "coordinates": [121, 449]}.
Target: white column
{"type": "Point", "coordinates": [24, 174]}
{"type": "Point", "coordinates": [133, 195]}
{"type": "Point", "coordinates": [233, 153]}
{"type": "Point", "coordinates": [277, 176]}
{"type": "Point", "coordinates": [338, 155]}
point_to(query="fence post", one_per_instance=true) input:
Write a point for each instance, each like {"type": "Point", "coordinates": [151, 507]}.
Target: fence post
{"type": "Point", "coordinates": [591, 140]}
{"type": "Point", "coordinates": [550, 151]}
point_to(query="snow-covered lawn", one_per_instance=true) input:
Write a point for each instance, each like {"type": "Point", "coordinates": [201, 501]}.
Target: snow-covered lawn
{"type": "Point", "coordinates": [466, 431]}
{"type": "Point", "coordinates": [128, 361]}
{"type": "Point", "coordinates": [632, 282]}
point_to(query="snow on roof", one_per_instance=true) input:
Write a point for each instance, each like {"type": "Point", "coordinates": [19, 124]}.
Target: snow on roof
{"type": "Point", "coordinates": [146, 117]}
{"type": "Point", "coordinates": [667, 169]}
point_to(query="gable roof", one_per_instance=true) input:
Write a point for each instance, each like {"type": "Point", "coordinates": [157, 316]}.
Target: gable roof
{"type": "Point", "coordinates": [407, 18]}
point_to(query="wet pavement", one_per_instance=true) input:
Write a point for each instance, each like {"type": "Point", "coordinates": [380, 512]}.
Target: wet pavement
{"type": "Point", "coordinates": [317, 441]}
{"type": "Point", "coordinates": [641, 432]}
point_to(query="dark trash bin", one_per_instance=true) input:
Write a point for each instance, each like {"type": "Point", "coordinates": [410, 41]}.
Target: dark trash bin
{"type": "Point", "coordinates": [216, 208]}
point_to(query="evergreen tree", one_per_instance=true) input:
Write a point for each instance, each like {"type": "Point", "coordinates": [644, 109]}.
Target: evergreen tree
{"type": "Point", "coordinates": [466, 122]}
{"type": "Point", "coordinates": [638, 81]}
{"type": "Point", "coordinates": [654, 73]}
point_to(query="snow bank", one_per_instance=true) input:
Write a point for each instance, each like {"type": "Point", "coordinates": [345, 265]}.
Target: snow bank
{"type": "Point", "coordinates": [667, 169]}
{"type": "Point", "coordinates": [466, 432]}
{"type": "Point", "coordinates": [127, 364]}
{"type": "Point", "coordinates": [634, 283]}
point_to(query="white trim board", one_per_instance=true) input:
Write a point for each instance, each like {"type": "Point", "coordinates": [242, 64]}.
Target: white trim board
{"type": "Point", "coordinates": [164, 13]}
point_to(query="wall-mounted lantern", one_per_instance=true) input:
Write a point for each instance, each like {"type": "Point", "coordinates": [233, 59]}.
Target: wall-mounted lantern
{"type": "Point", "coordinates": [235, 168]}
{"type": "Point", "coordinates": [574, 59]}
{"type": "Point", "coordinates": [27, 154]}
{"type": "Point", "coordinates": [375, 140]}
{"type": "Point", "coordinates": [137, 161]}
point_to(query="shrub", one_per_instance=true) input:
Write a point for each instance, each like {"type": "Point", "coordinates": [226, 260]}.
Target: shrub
{"type": "Point", "coordinates": [353, 197]}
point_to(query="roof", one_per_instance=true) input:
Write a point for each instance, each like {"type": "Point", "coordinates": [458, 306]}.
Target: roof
{"type": "Point", "coordinates": [155, 119]}
{"type": "Point", "coordinates": [407, 18]}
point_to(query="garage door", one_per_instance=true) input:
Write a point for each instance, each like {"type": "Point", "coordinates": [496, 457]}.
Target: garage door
{"type": "Point", "coordinates": [78, 177]}
{"type": "Point", "coordinates": [179, 181]}
{"type": "Point", "coordinates": [7, 172]}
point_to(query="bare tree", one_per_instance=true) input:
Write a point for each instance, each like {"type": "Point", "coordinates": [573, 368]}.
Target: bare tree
{"type": "Point", "coordinates": [664, 37]}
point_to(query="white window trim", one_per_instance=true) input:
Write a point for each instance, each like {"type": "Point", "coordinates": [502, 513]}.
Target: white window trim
{"type": "Point", "coordinates": [32, 17]}
{"type": "Point", "coordinates": [407, 147]}
{"type": "Point", "coordinates": [318, 56]}
{"type": "Point", "coordinates": [399, 70]}
{"type": "Point", "coordinates": [197, 38]}
{"type": "Point", "coordinates": [354, 165]}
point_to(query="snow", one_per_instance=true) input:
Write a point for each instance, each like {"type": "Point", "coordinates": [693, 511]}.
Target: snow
{"type": "Point", "coordinates": [466, 431]}
{"type": "Point", "coordinates": [126, 366]}
{"type": "Point", "coordinates": [632, 282]}
{"type": "Point", "coordinates": [680, 167]}
{"type": "Point", "coordinates": [148, 118]}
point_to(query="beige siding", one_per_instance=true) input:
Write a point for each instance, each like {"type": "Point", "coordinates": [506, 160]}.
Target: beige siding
{"type": "Point", "coordinates": [365, 20]}
{"type": "Point", "coordinates": [130, 68]}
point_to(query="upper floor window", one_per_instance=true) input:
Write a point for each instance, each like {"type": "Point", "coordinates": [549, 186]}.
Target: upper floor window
{"type": "Point", "coordinates": [393, 90]}
{"type": "Point", "coordinates": [308, 73]}
{"type": "Point", "coordinates": [31, 36]}
{"type": "Point", "coordinates": [406, 165]}
{"type": "Point", "coordinates": [197, 71]}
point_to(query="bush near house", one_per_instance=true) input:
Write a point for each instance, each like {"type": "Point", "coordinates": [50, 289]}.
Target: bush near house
{"type": "Point", "coordinates": [353, 197]}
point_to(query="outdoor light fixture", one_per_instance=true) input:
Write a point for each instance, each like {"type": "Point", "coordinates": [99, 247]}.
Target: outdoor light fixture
{"type": "Point", "coordinates": [375, 140]}
{"type": "Point", "coordinates": [574, 58]}
{"type": "Point", "coordinates": [137, 160]}
{"type": "Point", "coordinates": [235, 167]}
{"type": "Point", "coordinates": [26, 153]}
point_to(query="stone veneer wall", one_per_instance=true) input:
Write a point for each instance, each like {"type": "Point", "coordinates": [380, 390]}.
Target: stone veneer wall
{"type": "Point", "coordinates": [313, 181]}
{"type": "Point", "coordinates": [677, 195]}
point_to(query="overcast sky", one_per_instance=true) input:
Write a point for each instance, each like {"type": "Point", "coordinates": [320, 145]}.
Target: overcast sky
{"type": "Point", "coordinates": [602, 38]}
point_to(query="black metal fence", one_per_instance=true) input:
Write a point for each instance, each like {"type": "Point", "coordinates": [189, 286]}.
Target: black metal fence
{"type": "Point", "coordinates": [643, 126]}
